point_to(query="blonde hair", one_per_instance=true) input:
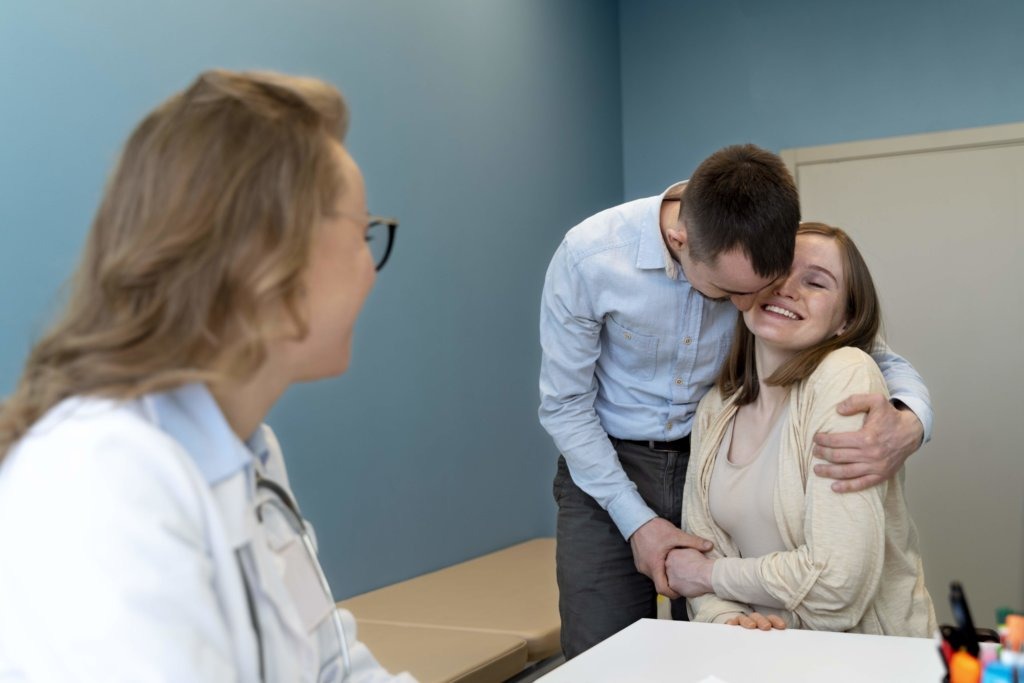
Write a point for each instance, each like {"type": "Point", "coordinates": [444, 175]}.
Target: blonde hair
{"type": "Point", "coordinates": [863, 326]}
{"type": "Point", "coordinates": [202, 234]}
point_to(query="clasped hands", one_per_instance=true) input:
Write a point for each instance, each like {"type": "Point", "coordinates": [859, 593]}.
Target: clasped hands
{"type": "Point", "coordinates": [676, 562]}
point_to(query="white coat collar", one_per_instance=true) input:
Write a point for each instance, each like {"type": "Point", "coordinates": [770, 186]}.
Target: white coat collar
{"type": "Point", "coordinates": [191, 416]}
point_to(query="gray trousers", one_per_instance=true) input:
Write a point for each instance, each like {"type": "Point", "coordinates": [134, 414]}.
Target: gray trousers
{"type": "Point", "coordinates": [600, 592]}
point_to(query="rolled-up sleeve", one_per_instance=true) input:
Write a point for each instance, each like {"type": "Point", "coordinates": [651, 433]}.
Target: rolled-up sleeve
{"type": "Point", "coordinates": [905, 385]}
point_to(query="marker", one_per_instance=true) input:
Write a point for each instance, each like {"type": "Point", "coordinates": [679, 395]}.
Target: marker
{"type": "Point", "coordinates": [989, 652]}
{"type": "Point", "coordinates": [963, 668]}
{"type": "Point", "coordinates": [945, 652]}
{"type": "Point", "coordinates": [958, 603]}
{"type": "Point", "coordinates": [1015, 632]}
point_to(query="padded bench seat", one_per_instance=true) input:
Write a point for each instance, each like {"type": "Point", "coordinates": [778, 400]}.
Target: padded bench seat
{"type": "Point", "coordinates": [444, 655]}
{"type": "Point", "coordinates": [510, 593]}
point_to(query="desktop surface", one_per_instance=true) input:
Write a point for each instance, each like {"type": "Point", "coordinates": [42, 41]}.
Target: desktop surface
{"type": "Point", "coordinates": [655, 651]}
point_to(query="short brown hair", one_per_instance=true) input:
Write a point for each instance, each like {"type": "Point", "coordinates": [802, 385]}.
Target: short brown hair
{"type": "Point", "coordinates": [203, 233]}
{"type": "Point", "coordinates": [742, 196]}
{"type": "Point", "coordinates": [863, 315]}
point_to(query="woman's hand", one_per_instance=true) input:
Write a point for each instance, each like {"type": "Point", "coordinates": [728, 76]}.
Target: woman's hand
{"type": "Point", "coordinates": [758, 621]}
{"type": "Point", "coordinates": [652, 543]}
{"type": "Point", "coordinates": [689, 572]}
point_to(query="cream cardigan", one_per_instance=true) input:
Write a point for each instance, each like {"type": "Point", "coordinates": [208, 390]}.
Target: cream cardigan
{"type": "Point", "coordinates": [851, 561]}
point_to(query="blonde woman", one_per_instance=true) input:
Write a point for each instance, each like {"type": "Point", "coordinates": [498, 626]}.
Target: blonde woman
{"type": "Point", "coordinates": [147, 528]}
{"type": "Point", "coordinates": [789, 550]}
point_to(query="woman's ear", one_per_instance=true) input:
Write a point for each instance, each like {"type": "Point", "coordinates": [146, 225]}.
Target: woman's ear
{"type": "Point", "coordinates": [842, 328]}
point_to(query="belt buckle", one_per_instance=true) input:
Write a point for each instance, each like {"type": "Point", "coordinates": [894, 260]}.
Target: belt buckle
{"type": "Point", "coordinates": [653, 446]}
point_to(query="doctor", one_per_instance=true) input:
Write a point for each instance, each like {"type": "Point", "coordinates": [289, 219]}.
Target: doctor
{"type": "Point", "coordinates": [147, 528]}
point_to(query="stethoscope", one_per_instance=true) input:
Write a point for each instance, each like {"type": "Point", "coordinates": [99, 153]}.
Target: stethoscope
{"type": "Point", "coordinates": [286, 506]}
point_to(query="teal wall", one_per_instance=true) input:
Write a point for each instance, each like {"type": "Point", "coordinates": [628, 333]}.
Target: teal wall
{"type": "Point", "coordinates": [700, 74]}
{"type": "Point", "coordinates": [489, 127]}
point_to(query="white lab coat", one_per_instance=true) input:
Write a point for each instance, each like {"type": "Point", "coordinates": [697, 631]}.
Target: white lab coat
{"type": "Point", "coordinates": [119, 561]}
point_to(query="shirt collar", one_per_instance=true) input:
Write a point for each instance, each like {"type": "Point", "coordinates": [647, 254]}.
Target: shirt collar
{"type": "Point", "coordinates": [191, 416]}
{"type": "Point", "coordinates": [652, 252]}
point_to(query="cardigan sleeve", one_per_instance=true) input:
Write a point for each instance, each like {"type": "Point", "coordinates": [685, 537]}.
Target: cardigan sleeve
{"type": "Point", "coordinates": [831, 579]}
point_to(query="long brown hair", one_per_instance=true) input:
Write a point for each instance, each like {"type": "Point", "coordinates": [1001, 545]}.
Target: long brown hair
{"type": "Point", "coordinates": [864, 321]}
{"type": "Point", "coordinates": [201, 237]}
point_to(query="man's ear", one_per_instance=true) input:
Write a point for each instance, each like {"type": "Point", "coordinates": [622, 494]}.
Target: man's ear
{"type": "Point", "coordinates": [675, 237]}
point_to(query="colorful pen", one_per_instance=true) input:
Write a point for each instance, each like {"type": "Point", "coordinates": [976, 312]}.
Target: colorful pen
{"type": "Point", "coordinates": [964, 623]}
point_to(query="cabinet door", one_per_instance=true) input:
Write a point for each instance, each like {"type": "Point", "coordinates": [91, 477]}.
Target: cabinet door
{"type": "Point", "coordinates": [940, 220]}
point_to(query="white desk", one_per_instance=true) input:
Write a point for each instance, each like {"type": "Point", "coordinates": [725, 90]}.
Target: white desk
{"type": "Point", "coordinates": [655, 651]}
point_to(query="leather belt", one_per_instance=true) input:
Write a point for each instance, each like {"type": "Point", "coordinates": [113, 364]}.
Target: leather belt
{"type": "Point", "coordinates": [678, 446]}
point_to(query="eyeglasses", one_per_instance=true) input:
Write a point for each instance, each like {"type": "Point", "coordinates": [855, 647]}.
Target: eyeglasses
{"type": "Point", "coordinates": [380, 235]}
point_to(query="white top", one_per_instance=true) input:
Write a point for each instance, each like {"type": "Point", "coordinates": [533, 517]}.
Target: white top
{"type": "Point", "coordinates": [741, 498]}
{"type": "Point", "coordinates": [122, 547]}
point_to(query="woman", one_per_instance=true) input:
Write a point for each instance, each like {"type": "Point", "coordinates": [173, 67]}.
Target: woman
{"type": "Point", "coordinates": [147, 526]}
{"type": "Point", "coordinates": [789, 551]}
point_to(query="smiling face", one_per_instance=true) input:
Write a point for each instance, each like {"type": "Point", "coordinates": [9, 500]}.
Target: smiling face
{"type": "Point", "coordinates": [806, 306]}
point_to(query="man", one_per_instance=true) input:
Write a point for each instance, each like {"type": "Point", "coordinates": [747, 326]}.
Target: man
{"type": "Point", "coordinates": [637, 315]}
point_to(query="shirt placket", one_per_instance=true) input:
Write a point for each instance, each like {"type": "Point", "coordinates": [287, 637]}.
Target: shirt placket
{"type": "Point", "coordinates": [687, 338]}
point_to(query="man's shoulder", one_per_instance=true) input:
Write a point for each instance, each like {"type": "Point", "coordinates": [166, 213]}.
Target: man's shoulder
{"type": "Point", "coordinates": [614, 228]}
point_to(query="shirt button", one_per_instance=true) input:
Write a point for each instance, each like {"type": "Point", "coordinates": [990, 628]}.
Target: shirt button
{"type": "Point", "coordinates": [668, 426]}
{"type": "Point", "coordinates": [687, 340]}
{"type": "Point", "coordinates": [679, 380]}
{"type": "Point", "coordinates": [628, 335]}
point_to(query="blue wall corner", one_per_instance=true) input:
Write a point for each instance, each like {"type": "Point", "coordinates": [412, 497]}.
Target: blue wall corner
{"type": "Point", "coordinates": [700, 75]}
{"type": "Point", "coordinates": [488, 128]}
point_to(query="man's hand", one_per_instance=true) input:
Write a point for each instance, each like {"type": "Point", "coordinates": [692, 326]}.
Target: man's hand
{"type": "Point", "coordinates": [764, 622]}
{"type": "Point", "coordinates": [863, 459]}
{"type": "Point", "coordinates": [689, 572]}
{"type": "Point", "coordinates": [651, 544]}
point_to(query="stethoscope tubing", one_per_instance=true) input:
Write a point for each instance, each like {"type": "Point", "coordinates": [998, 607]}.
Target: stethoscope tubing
{"type": "Point", "coordinates": [284, 502]}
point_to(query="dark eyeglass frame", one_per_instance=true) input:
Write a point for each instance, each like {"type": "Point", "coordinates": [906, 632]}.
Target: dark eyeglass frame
{"type": "Point", "coordinates": [392, 223]}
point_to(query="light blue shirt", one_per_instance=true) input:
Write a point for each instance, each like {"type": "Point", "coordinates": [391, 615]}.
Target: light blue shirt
{"type": "Point", "coordinates": [629, 348]}
{"type": "Point", "coordinates": [192, 417]}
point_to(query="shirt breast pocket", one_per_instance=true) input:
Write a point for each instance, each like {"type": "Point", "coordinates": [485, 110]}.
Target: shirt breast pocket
{"type": "Point", "coordinates": [631, 352]}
